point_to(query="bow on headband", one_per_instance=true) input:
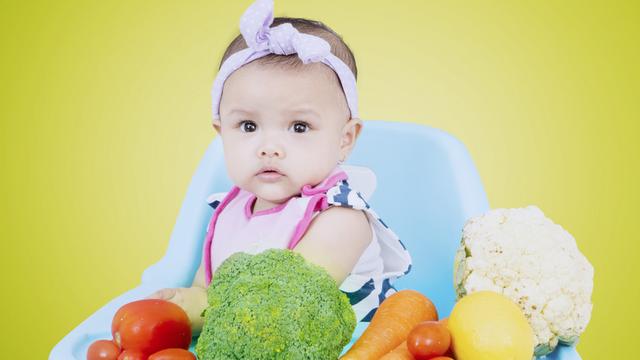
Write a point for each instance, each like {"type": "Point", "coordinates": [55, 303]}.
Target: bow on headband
{"type": "Point", "coordinates": [283, 39]}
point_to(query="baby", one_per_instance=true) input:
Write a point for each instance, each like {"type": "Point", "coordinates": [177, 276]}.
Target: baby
{"type": "Point", "coordinates": [285, 107]}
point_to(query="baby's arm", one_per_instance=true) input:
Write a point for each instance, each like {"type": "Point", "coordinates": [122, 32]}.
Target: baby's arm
{"type": "Point", "coordinates": [193, 300]}
{"type": "Point", "coordinates": [335, 240]}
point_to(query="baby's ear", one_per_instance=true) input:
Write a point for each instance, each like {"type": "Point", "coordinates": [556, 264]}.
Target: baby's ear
{"type": "Point", "coordinates": [357, 124]}
{"type": "Point", "coordinates": [350, 133]}
{"type": "Point", "coordinates": [216, 125]}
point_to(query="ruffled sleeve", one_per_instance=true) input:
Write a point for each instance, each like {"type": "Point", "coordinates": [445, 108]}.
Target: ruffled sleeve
{"type": "Point", "coordinates": [395, 257]}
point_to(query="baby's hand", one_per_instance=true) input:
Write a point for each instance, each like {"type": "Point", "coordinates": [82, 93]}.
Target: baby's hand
{"type": "Point", "coordinates": [178, 296]}
{"type": "Point", "coordinates": [164, 294]}
{"type": "Point", "coordinates": [192, 300]}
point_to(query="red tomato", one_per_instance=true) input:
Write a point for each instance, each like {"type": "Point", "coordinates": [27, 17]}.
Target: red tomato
{"type": "Point", "coordinates": [428, 339]}
{"type": "Point", "coordinates": [151, 325]}
{"type": "Point", "coordinates": [441, 358]}
{"type": "Point", "coordinates": [173, 354]}
{"type": "Point", "coordinates": [103, 350]}
{"type": "Point", "coordinates": [132, 355]}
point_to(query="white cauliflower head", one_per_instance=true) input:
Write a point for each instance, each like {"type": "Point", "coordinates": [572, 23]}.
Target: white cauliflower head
{"type": "Point", "coordinates": [525, 256]}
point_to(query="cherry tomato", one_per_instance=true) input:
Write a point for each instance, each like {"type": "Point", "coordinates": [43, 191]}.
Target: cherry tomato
{"type": "Point", "coordinates": [151, 325]}
{"type": "Point", "coordinates": [173, 354]}
{"type": "Point", "coordinates": [132, 355]}
{"type": "Point", "coordinates": [428, 339]}
{"type": "Point", "coordinates": [103, 350]}
{"type": "Point", "coordinates": [449, 353]}
{"type": "Point", "coordinates": [444, 321]}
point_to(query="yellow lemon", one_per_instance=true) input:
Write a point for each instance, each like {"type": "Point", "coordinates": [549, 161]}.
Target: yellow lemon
{"type": "Point", "coordinates": [486, 325]}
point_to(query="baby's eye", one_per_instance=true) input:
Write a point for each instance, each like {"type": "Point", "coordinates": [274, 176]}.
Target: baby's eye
{"type": "Point", "coordinates": [300, 127]}
{"type": "Point", "coordinates": [247, 126]}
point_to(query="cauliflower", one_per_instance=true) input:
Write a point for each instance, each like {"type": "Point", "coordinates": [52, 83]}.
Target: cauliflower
{"type": "Point", "coordinates": [525, 256]}
{"type": "Point", "coordinates": [274, 305]}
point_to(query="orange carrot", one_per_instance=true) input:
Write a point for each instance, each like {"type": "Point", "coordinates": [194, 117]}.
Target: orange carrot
{"type": "Point", "coordinates": [399, 353]}
{"type": "Point", "coordinates": [391, 324]}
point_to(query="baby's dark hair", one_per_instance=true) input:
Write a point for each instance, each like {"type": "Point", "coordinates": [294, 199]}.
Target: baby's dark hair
{"type": "Point", "coordinates": [313, 27]}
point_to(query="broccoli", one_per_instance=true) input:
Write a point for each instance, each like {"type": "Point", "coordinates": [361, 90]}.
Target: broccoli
{"type": "Point", "coordinates": [523, 255]}
{"type": "Point", "coordinates": [274, 305]}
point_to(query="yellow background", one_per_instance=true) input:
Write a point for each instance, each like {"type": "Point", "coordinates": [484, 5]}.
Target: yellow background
{"type": "Point", "coordinates": [105, 115]}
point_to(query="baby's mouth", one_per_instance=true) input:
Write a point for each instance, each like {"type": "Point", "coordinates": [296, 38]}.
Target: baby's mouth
{"type": "Point", "coordinates": [269, 170]}
{"type": "Point", "coordinates": [270, 176]}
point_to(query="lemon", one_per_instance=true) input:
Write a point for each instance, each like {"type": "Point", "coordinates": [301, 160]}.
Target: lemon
{"type": "Point", "coordinates": [486, 325]}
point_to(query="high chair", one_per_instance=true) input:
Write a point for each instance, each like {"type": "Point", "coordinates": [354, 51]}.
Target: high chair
{"type": "Point", "coordinates": [427, 187]}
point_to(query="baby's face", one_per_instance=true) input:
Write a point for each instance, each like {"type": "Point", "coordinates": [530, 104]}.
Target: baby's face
{"type": "Point", "coordinates": [295, 121]}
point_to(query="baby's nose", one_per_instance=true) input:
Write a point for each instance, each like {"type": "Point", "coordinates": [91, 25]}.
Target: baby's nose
{"type": "Point", "coordinates": [271, 151]}
{"type": "Point", "coordinates": [270, 154]}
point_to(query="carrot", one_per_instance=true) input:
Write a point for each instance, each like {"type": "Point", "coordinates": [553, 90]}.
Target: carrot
{"type": "Point", "coordinates": [399, 353]}
{"type": "Point", "coordinates": [391, 324]}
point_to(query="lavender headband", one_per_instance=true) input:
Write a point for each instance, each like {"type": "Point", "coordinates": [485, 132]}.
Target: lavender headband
{"type": "Point", "coordinates": [283, 39]}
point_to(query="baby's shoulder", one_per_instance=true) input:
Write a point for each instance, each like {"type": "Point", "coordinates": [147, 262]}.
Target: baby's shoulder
{"type": "Point", "coordinates": [337, 236]}
{"type": "Point", "coordinates": [342, 217]}
{"type": "Point", "coordinates": [347, 206]}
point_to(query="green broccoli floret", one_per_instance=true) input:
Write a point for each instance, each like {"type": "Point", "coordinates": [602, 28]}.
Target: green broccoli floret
{"type": "Point", "coordinates": [274, 305]}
